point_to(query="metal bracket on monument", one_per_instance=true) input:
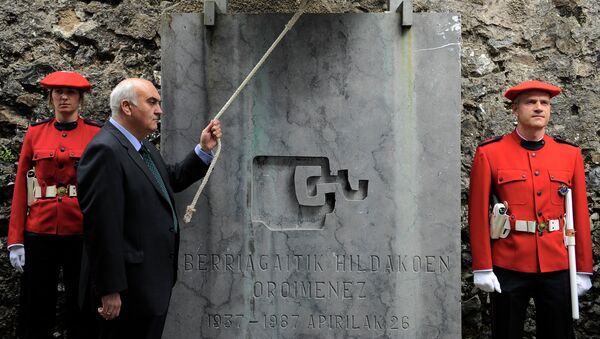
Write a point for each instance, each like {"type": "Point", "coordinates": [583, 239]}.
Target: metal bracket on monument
{"type": "Point", "coordinates": [405, 8]}
{"type": "Point", "coordinates": [211, 8]}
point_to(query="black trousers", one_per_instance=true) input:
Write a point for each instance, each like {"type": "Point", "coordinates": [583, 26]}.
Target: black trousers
{"type": "Point", "coordinates": [45, 255]}
{"type": "Point", "coordinates": [551, 295]}
{"type": "Point", "coordinates": [127, 327]}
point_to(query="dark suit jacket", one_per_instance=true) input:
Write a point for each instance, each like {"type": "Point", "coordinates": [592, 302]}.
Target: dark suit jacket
{"type": "Point", "coordinates": [130, 242]}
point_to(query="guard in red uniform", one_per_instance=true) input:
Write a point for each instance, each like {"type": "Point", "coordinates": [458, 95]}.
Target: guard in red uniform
{"type": "Point", "coordinates": [46, 224]}
{"type": "Point", "coordinates": [529, 172]}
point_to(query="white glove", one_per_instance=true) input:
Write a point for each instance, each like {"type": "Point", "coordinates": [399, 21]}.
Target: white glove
{"type": "Point", "coordinates": [486, 281]}
{"type": "Point", "coordinates": [17, 257]}
{"type": "Point", "coordinates": [584, 283]}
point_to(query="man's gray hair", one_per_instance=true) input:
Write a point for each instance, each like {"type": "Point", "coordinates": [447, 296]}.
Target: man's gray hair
{"type": "Point", "coordinates": [125, 90]}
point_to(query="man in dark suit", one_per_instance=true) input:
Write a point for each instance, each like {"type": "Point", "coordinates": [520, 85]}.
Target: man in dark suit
{"type": "Point", "coordinates": [131, 228]}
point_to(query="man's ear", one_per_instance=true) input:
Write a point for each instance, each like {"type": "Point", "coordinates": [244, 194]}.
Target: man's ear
{"type": "Point", "coordinates": [126, 107]}
{"type": "Point", "coordinates": [514, 108]}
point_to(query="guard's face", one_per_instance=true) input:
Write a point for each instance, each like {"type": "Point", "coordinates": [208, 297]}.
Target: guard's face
{"type": "Point", "coordinates": [532, 109]}
{"type": "Point", "coordinates": [147, 112]}
{"type": "Point", "coordinates": [65, 100]}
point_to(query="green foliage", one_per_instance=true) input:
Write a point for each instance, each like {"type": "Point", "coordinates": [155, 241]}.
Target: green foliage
{"type": "Point", "coordinates": [7, 155]}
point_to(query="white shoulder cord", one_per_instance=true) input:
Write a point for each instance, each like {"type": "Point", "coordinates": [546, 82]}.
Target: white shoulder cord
{"type": "Point", "coordinates": [192, 207]}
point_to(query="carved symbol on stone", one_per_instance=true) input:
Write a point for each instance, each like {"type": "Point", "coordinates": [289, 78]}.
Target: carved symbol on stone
{"type": "Point", "coordinates": [301, 193]}
{"type": "Point", "coordinates": [304, 173]}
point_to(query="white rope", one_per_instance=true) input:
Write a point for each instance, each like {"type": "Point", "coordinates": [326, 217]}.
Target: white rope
{"type": "Point", "coordinates": [192, 207]}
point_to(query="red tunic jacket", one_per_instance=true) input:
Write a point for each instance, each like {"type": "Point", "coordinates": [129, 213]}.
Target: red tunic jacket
{"type": "Point", "coordinates": [529, 181]}
{"type": "Point", "coordinates": [55, 155]}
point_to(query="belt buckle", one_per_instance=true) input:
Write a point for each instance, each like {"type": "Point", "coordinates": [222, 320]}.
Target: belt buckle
{"type": "Point", "coordinates": [61, 191]}
{"type": "Point", "coordinates": [542, 226]}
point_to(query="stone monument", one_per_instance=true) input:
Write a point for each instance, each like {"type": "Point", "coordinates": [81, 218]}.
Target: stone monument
{"type": "Point", "coordinates": [334, 209]}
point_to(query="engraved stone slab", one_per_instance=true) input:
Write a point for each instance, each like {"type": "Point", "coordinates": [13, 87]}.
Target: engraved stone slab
{"type": "Point", "coordinates": [334, 209]}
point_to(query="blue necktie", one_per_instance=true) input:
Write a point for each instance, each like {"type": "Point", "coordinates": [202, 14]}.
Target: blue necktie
{"type": "Point", "coordinates": [152, 167]}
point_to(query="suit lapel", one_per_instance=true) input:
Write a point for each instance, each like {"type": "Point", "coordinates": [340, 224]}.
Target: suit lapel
{"type": "Point", "coordinates": [136, 157]}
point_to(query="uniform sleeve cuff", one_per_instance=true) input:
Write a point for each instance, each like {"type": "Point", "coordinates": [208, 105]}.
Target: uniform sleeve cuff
{"type": "Point", "coordinates": [13, 245]}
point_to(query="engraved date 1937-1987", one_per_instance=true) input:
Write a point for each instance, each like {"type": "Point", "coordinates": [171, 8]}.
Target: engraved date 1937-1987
{"type": "Point", "coordinates": [311, 321]}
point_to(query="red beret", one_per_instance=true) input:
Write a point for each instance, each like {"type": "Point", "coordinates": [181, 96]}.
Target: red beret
{"type": "Point", "coordinates": [512, 92]}
{"type": "Point", "coordinates": [66, 79]}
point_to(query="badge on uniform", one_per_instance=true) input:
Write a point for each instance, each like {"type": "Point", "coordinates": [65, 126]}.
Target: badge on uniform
{"type": "Point", "coordinates": [563, 189]}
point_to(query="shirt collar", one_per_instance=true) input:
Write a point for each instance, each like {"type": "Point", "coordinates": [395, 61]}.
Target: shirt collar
{"type": "Point", "coordinates": [530, 145]}
{"type": "Point", "coordinates": [133, 140]}
{"type": "Point", "coordinates": [523, 138]}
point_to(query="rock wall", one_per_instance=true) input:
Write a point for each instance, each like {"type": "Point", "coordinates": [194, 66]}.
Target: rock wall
{"type": "Point", "coordinates": [504, 42]}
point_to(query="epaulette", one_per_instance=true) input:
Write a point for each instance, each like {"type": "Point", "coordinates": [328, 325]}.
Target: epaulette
{"type": "Point", "coordinates": [492, 140]}
{"type": "Point", "coordinates": [93, 122]}
{"type": "Point", "coordinates": [39, 122]}
{"type": "Point", "coordinates": [562, 141]}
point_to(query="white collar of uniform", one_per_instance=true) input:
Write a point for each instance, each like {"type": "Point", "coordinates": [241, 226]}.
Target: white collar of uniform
{"type": "Point", "coordinates": [522, 137]}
